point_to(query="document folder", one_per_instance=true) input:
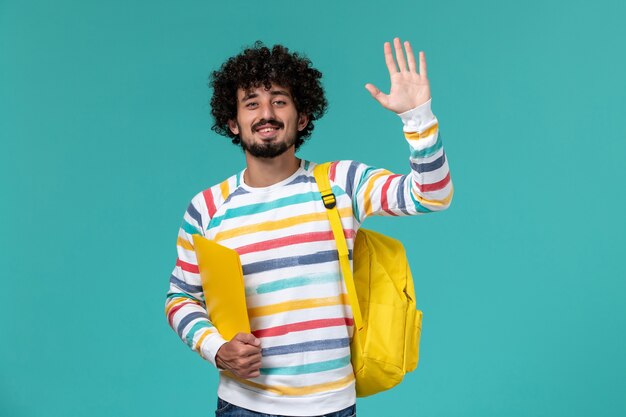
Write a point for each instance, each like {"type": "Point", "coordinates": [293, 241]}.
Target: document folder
{"type": "Point", "coordinates": [223, 286]}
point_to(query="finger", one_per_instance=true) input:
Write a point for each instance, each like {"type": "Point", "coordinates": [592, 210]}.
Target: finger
{"type": "Point", "coordinates": [250, 367]}
{"type": "Point", "coordinates": [423, 71]}
{"type": "Point", "coordinates": [410, 56]}
{"type": "Point", "coordinates": [248, 339]}
{"type": "Point", "coordinates": [377, 94]}
{"type": "Point", "coordinates": [254, 366]}
{"type": "Point", "coordinates": [243, 361]}
{"type": "Point", "coordinates": [246, 372]}
{"type": "Point", "coordinates": [245, 358]}
{"type": "Point", "coordinates": [391, 65]}
{"type": "Point", "coordinates": [372, 89]}
{"type": "Point", "coordinates": [252, 374]}
{"type": "Point", "coordinates": [399, 54]}
{"type": "Point", "coordinates": [249, 351]}
{"type": "Point", "coordinates": [250, 363]}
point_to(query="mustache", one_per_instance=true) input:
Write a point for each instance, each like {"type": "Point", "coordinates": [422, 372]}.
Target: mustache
{"type": "Point", "coordinates": [272, 122]}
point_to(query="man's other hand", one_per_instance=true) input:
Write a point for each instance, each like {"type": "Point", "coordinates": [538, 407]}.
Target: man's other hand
{"type": "Point", "coordinates": [409, 88]}
{"type": "Point", "coordinates": [241, 356]}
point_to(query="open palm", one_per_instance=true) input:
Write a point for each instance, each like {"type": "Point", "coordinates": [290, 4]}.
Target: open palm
{"type": "Point", "coordinates": [409, 88]}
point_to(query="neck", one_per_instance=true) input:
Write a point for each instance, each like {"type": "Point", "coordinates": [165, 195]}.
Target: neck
{"type": "Point", "coordinates": [263, 172]}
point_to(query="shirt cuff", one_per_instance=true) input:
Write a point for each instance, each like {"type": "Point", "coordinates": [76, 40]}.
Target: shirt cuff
{"type": "Point", "coordinates": [418, 119]}
{"type": "Point", "coordinates": [210, 346]}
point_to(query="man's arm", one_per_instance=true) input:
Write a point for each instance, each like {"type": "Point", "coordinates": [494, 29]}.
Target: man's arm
{"type": "Point", "coordinates": [428, 186]}
{"type": "Point", "coordinates": [184, 306]}
{"type": "Point", "coordinates": [186, 312]}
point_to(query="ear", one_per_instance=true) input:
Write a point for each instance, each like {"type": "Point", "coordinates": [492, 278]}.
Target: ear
{"type": "Point", "coordinates": [303, 121]}
{"type": "Point", "coordinates": [232, 125]}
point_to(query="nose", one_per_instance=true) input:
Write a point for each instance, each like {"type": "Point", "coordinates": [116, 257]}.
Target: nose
{"type": "Point", "coordinates": [267, 111]}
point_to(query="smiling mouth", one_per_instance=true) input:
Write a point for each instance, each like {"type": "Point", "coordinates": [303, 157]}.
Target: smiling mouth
{"type": "Point", "coordinates": [267, 126]}
{"type": "Point", "coordinates": [267, 129]}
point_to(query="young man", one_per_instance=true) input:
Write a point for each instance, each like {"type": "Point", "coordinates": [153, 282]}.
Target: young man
{"type": "Point", "coordinates": [296, 362]}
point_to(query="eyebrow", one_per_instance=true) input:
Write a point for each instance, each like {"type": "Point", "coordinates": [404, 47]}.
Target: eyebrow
{"type": "Point", "coordinates": [252, 95]}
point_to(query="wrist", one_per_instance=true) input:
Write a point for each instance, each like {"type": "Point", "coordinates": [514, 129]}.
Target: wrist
{"type": "Point", "coordinates": [211, 346]}
{"type": "Point", "coordinates": [418, 118]}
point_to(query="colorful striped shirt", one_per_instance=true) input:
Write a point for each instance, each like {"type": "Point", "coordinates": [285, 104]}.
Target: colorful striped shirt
{"type": "Point", "coordinates": [296, 299]}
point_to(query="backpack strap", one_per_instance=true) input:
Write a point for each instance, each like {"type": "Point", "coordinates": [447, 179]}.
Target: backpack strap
{"type": "Point", "coordinates": [321, 177]}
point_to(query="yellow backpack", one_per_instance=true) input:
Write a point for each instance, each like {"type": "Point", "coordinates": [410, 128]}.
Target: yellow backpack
{"type": "Point", "coordinates": [387, 326]}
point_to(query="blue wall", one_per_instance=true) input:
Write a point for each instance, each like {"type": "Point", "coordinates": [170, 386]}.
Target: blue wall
{"type": "Point", "coordinates": [105, 137]}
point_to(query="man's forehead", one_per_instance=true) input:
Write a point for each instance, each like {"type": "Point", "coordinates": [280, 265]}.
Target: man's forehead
{"type": "Point", "coordinates": [253, 91]}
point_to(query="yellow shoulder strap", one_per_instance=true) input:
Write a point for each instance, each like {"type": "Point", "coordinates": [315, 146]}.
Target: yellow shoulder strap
{"type": "Point", "coordinates": [321, 177]}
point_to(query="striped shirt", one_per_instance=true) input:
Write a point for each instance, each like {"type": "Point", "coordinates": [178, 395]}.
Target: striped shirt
{"type": "Point", "coordinates": [296, 299]}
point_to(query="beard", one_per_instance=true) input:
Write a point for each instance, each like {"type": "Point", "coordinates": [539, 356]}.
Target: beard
{"type": "Point", "coordinates": [265, 150]}
{"type": "Point", "coordinates": [268, 149]}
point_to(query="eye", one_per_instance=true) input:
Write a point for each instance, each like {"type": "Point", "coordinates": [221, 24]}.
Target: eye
{"type": "Point", "coordinates": [280, 102]}
{"type": "Point", "coordinates": [251, 105]}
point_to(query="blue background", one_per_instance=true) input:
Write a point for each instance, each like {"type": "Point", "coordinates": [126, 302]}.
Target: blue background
{"type": "Point", "coordinates": [105, 137]}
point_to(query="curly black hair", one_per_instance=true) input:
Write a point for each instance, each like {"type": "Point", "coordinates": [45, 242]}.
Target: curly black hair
{"type": "Point", "coordinates": [258, 65]}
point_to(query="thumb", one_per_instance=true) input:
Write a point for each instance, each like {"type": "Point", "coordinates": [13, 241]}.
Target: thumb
{"type": "Point", "coordinates": [376, 93]}
{"type": "Point", "coordinates": [247, 338]}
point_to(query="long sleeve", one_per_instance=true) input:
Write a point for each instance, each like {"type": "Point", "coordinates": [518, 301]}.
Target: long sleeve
{"type": "Point", "coordinates": [425, 189]}
{"type": "Point", "coordinates": [185, 307]}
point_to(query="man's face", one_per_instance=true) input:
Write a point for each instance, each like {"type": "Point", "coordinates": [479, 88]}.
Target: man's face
{"type": "Point", "coordinates": [267, 120]}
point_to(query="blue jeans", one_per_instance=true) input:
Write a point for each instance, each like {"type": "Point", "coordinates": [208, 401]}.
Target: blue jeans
{"type": "Point", "coordinates": [226, 409]}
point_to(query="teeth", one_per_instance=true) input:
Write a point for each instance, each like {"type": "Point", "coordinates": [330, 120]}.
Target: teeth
{"type": "Point", "coordinates": [267, 129]}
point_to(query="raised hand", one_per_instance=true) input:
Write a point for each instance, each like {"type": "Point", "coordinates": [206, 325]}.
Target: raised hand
{"type": "Point", "coordinates": [409, 88]}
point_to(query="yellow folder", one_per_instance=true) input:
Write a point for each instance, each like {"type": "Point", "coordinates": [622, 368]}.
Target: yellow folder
{"type": "Point", "coordinates": [223, 286]}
